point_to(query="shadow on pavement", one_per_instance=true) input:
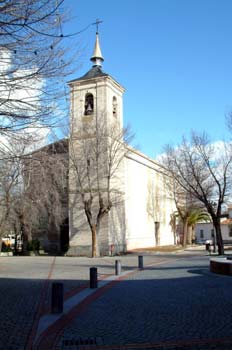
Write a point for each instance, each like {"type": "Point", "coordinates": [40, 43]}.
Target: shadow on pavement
{"type": "Point", "coordinates": [156, 306]}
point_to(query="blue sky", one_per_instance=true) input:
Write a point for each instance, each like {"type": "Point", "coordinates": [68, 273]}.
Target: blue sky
{"type": "Point", "coordinates": [174, 57]}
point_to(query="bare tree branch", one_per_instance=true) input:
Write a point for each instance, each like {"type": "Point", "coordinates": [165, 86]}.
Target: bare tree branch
{"type": "Point", "coordinates": [203, 173]}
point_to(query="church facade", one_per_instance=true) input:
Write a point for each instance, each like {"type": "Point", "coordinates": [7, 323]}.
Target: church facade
{"type": "Point", "coordinates": [141, 208]}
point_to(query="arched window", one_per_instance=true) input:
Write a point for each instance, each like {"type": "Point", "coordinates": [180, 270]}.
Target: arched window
{"type": "Point", "coordinates": [88, 104]}
{"type": "Point", "coordinates": [115, 106]}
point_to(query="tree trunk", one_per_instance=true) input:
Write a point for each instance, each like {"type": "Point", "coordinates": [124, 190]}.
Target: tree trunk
{"type": "Point", "coordinates": [94, 242]}
{"type": "Point", "coordinates": [24, 237]}
{"type": "Point", "coordinates": [189, 234]}
{"type": "Point", "coordinates": [193, 234]}
{"type": "Point", "coordinates": [217, 227]}
{"type": "Point", "coordinates": [25, 231]}
{"type": "Point", "coordinates": [157, 233]}
{"type": "Point", "coordinates": [185, 232]}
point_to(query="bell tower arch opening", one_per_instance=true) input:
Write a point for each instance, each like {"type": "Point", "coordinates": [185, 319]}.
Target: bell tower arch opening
{"type": "Point", "coordinates": [89, 104]}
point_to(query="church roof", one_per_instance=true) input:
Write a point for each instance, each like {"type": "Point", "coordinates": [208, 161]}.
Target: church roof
{"type": "Point", "coordinates": [94, 72]}
{"type": "Point", "coordinates": [59, 146]}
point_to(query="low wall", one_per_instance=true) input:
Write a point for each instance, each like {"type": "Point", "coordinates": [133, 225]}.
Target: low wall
{"type": "Point", "coordinates": [221, 265]}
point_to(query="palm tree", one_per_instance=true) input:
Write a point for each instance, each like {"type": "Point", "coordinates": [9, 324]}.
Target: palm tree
{"type": "Point", "coordinates": [189, 217]}
{"type": "Point", "coordinates": [195, 215]}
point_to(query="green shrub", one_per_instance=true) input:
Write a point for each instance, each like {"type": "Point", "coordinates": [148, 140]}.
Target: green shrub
{"type": "Point", "coordinates": [34, 245]}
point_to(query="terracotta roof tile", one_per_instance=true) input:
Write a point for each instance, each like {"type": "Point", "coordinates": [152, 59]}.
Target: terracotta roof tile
{"type": "Point", "coordinates": [226, 222]}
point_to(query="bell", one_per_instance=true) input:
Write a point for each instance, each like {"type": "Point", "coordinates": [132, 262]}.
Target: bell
{"type": "Point", "coordinates": [89, 109]}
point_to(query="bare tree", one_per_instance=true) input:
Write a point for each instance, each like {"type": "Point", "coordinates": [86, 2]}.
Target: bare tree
{"type": "Point", "coordinates": [33, 189]}
{"type": "Point", "coordinates": [203, 171]}
{"type": "Point", "coordinates": [34, 60]}
{"type": "Point", "coordinates": [96, 157]}
{"type": "Point", "coordinates": [45, 191]}
{"type": "Point", "coordinates": [33, 63]}
{"type": "Point", "coordinates": [10, 184]}
{"type": "Point", "coordinates": [9, 178]}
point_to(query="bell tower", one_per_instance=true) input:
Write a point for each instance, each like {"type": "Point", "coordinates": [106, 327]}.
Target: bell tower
{"type": "Point", "coordinates": [96, 109]}
{"type": "Point", "coordinates": [96, 95]}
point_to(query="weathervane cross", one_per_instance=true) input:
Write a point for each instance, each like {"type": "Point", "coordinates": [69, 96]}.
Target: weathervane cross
{"type": "Point", "coordinates": [97, 24]}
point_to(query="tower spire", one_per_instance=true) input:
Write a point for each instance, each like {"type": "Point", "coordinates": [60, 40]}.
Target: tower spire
{"type": "Point", "coordinates": [97, 57]}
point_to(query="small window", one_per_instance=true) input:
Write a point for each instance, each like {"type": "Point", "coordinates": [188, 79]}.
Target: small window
{"type": "Point", "coordinates": [89, 104]}
{"type": "Point", "coordinates": [202, 233]}
{"type": "Point", "coordinates": [115, 106]}
{"type": "Point", "coordinates": [212, 233]}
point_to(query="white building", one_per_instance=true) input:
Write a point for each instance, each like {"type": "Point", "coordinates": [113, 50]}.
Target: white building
{"type": "Point", "coordinates": [205, 230]}
{"type": "Point", "coordinates": [143, 216]}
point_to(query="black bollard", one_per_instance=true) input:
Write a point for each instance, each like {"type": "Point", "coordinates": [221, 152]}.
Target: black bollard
{"type": "Point", "coordinates": [117, 267]}
{"type": "Point", "coordinates": [209, 250]}
{"type": "Point", "coordinates": [93, 277]}
{"type": "Point", "coordinates": [207, 246]}
{"type": "Point", "coordinates": [140, 261]}
{"type": "Point", "coordinates": [57, 298]}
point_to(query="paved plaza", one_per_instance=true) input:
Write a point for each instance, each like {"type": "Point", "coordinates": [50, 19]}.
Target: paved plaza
{"type": "Point", "coordinates": [173, 303]}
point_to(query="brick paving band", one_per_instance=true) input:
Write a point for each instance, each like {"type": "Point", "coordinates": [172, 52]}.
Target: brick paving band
{"type": "Point", "coordinates": [50, 336]}
{"type": "Point", "coordinates": [40, 308]}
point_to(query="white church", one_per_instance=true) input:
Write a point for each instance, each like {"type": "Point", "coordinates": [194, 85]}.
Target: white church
{"type": "Point", "coordinates": [143, 216]}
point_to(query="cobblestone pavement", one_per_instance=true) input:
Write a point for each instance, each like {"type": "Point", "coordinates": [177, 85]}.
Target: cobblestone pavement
{"type": "Point", "coordinates": [175, 299]}
{"type": "Point", "coordinates": [21, 288]}
{"type": "Point", "coordinates": [25, 284]}
{"type": "Point", "coordinates": [176, 305]}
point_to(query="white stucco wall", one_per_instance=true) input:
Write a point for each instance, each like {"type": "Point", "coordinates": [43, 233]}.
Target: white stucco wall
{"type": "Point", "coordinates": [141, 179]}
{"type": "Point", "coordinates": [138, 183]}
{"type": "Point", "coordinates": [207, 231]}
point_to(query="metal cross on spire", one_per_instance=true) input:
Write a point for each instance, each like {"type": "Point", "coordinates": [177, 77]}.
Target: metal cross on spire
{"type": "Point", "coordinates": [97, 24]}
